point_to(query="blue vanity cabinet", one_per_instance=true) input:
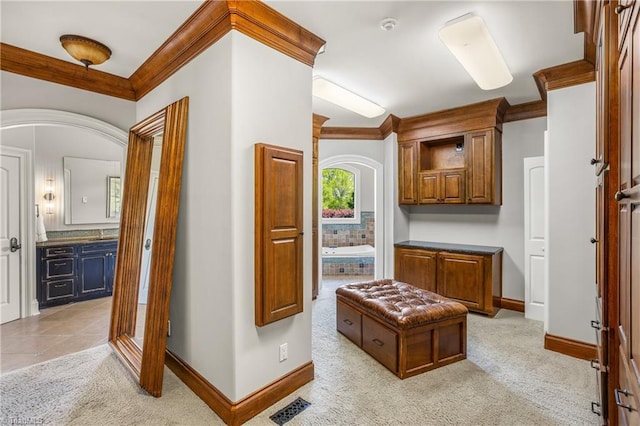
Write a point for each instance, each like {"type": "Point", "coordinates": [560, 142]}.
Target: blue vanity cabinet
{"type": "Point", "coordinates": [96, 264]}
{"type": "Point", "coordinates": [75, 271]}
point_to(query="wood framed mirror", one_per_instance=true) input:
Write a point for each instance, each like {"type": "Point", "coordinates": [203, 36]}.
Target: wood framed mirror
{"type": "Point", "coordinates": [144, 355]}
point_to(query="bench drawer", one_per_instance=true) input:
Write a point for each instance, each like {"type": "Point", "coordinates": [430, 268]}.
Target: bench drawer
{"type": "Point", "coordinates": [380, 342]}
{"type": "Point", "coordinates": [349, 323]}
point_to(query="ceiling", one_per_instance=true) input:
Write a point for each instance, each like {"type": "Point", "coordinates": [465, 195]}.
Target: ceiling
{"type": "Point", "coordinates": [407, 70]}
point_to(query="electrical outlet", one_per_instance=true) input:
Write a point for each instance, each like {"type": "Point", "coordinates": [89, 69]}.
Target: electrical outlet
{"type": "Point", "coordinates": [284, 352]}
{"type": "Point", "coordinates": [169, 329]}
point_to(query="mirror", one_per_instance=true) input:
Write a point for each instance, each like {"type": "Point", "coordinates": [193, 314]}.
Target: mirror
{"type": "Point", "coordinates": [91, 191]}
{"type": "Point", "coordinates": [146, 359]}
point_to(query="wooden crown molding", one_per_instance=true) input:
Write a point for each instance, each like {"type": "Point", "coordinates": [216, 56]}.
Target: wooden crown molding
{"type": "Point", "coordinates": [210, 22]}
{"type": "Point", "coordinates": [455, 120]}
{"type": "Point", "coordinates": [236, 413]}
{"type": "Point", "coordinates": [565, 75]}
{"type": "Point", "coordinates": [389, 125]}
{"type": "Point", "coordinates": [584, 21]}
{"type": "Point", "coordinates": [318, 121]}
{"type": "Point", "coordinates": [526, 111]}
{"type": "Point", "coordinates": [570, 347]}
{"type": "Point", "coordinates": [35, 65]}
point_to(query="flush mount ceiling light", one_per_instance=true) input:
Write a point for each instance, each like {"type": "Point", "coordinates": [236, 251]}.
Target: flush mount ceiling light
{"type": "Point", "coordinates": [331, 92]}
{"type": "Point", "coordinates": [468, 38]}
{"type": "Point", "coordinates": [85, 50]}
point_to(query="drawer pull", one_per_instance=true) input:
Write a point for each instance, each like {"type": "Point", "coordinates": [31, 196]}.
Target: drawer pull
{"type": "Point", "coordinates": [595, 408]}
{"type": "Point", "coordinates": [619, 403]}
{"type": "Point", "coordinates": [59, 285]}
{"type": "Point", "coordinates": [348, 322]}
{"type": "Point", "coordinates": [595, 364]}
{"type": "Point", "coordinates": [378, 342]}
{"type": "Point", "coordinates": [595, 324]}
{"type": "Point", "coordinates": [60, 264]}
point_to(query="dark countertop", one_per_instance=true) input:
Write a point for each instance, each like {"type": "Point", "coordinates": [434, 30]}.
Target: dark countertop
{"type": "Point", "coordinates": [76, 240]}
{"type": "Point", "coordinates": [464, 248]}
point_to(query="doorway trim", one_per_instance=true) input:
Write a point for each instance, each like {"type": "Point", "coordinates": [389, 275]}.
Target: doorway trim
{"type": "Point", "coordinates": [378, 169]}
{"type": "Point", "coordinates": [31, 117]}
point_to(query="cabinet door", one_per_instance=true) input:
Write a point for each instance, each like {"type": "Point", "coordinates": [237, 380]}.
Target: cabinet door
{"type": "Point", "coordinates": [480, 167]}
{"type": "Point", "coordinates": [429, 184]}
{"type": "Point", "coordinates": [92, 274]}
{"type": "Point", "coordinates": [460, 277]}
{"type": "Point", "coordinates": [452, 186]}
{"type": "Point", "coordinates": [416, 267]}
{"type": "Point", "coordinates": [407, 172]}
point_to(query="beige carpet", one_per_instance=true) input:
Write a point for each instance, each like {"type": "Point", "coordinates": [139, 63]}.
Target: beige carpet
{"type": "Point", "coordinates": [508, 379]}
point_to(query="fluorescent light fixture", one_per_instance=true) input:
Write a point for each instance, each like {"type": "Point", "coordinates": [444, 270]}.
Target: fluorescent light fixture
{"type": "Point", "coordinates": [331, 92]}
{"type": "Point", "coordinates": [468, 38]}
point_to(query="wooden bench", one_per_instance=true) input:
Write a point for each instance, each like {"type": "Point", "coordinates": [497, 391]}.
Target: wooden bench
{"type": "Point", "coordinates": [407, 329]}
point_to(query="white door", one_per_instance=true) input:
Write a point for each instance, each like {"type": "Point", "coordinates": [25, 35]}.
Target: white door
{"type": "Point", "coordinates": [148, 239]}
{"type": "Point", "coordinates": [10, 238]}
{"type": "Point", "coordinates": [534, 225]}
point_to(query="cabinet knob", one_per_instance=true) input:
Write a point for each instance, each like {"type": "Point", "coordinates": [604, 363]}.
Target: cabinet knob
{"type": "Point", "coordinates": [621, 7]}
{"type": "Point", "coordinates": [593, 240]}
{"type": "Point", "coordinates": [594, 161]}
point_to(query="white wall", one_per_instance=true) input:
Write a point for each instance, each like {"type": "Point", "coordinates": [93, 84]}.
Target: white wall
{"type": "Point", "coordinates": [490, 225]}
{"type": "Point", "coordinates": [571, 212]}
{"type": "Point", "coordinates": [24, 92]}
{"type": "Point", "coordinates": [240, 93]}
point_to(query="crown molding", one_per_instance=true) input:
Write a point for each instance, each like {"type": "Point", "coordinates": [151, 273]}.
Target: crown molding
{"type": "Point", "coordinates": [318, 121]}
{"type": "Point", "coordinates": [35, 65]}
{"type": "Point", "coordinates": [565, 75]}
{"type": "Point", "coordinates": [210, 22]}
{"type": "Point", "coordinates": [526, 111]}
{"type": "Point", "coordinates": [351, 133]}
{"type": "Point", "coordinates": [389, 125]}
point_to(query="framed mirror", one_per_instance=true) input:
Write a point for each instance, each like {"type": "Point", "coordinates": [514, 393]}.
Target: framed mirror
{"type": "Point", "coordinates": [144, 355]}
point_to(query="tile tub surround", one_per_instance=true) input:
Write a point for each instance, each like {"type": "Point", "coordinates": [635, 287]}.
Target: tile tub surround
{"type": "Point", "coordinates": [353, 234]}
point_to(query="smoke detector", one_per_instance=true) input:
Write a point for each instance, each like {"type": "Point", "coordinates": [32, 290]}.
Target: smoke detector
{"type": "Point", "coordinates": [388, 24]}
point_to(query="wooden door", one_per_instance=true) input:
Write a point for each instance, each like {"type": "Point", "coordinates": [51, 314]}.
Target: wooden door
{"type": "Point", "coordinates": [407, 172]}
{"type": "Point", "coordinates": [416, 267]}
{"type": "Point", "coordinates": [627, 394]}
{"type": "Point", "coordinates": [278, 233]}
{"type": "Point", "coordinates": [429, 187]}
{"type": "Point", "coordinates": [452, 186]}
{"type": "Point", "coordinates": [461, 277]}
{"type": "Point", "coordinates": [480, 159]}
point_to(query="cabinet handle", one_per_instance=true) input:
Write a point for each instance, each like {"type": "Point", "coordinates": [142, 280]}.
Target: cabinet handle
{"type": "Point", "coordinates": [595, 364]}
{"type": "Point", "coordinates": [593, 240]}
{"type": "Point", "coordinates": [621, 195]}
{"type": "Point", "coordinates": [620, 8]}
{"type": "Point", "coordinates": [595, 324]}
{"type": "Point", "coordinates": [619, 403]}
{"type": "Point", "coordinates": [595, 408]}
{"type": "Point", "coordinates": [348, 322]}
{"type": "Point", "coordinates": [378, 342]}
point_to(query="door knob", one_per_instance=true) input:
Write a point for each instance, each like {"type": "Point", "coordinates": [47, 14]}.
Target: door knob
{"type": "Point", "coordinates": [147, 244]}
{"type": "Point", "coordinates": [621, 195]}
{"type": "Point", "coordinates": [593, 240]}
{"type": "Point", "coordinates": [620, 8]}
{"type": "Point", "coordinates": [13, 245]}
{"type": "Point", "coordinates": [594, 161]}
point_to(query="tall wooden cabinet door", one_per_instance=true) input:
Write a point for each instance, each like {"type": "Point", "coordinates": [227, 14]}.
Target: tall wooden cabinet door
{"type": "Point", "coordinates": [278, 233]}
{"type": "Point", "coordinates": [453, 186]}
{"type": "Point", "coordinates": [628, 198]}
{"type": "Point", "coordinates": [429, 187]}
{"type": "Point", "coordinates": [481, 161]}
{"type": "Point", "coordinates": [416, 267]}
{"type": "Point", "coordinates": [407, 172]}
{"type": "Point", "coordinates": [460, 277]}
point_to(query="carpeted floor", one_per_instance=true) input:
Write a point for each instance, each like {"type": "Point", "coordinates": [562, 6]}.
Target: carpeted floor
{"type": "Point", "coordinates": [508, 379]}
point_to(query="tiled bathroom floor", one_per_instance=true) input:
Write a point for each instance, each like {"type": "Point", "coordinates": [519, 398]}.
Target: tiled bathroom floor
{"type": "Point", "coordinates": [66, 329]}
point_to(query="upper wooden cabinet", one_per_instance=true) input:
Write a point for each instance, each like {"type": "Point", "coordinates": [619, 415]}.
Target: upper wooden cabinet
{"type": "Point", "coordinates": [447, 158]}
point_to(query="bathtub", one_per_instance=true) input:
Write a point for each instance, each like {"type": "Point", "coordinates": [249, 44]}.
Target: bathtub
{"type": "Point", "coordinates": [349, 251]}
{"type": "Point", "coordinates": [351, 260]}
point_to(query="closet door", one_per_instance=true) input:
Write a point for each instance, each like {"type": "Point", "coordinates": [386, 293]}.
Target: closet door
{"type": "Point", "coordinates": [278, 233]}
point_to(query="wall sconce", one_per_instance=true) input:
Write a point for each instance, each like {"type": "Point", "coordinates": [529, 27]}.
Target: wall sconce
{"type": "Point", "coordinates": [49, 196]}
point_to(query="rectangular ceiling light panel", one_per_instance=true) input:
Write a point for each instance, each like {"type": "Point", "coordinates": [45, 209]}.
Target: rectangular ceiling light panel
{"type": "Point", "coordinates": [471, 43]}
{"type": "Point", "coordinates": [342, 97]}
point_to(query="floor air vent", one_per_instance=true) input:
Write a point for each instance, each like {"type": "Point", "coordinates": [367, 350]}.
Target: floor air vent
{"type": "Point", "coordinates": [290, 411]}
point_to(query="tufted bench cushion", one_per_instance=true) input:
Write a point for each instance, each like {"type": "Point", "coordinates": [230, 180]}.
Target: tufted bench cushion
{"type": "Point", "coordinates": [399, 304]}
{"type": "Point", "coordinates": [407, 329]}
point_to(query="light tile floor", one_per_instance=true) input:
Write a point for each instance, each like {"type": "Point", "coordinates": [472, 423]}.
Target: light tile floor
{"type": "Point", "coordinates": [66, 329]}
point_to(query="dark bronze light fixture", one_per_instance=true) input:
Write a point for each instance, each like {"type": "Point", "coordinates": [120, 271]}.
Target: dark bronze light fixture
{"type": "Point", "coordinates": [85, 50]}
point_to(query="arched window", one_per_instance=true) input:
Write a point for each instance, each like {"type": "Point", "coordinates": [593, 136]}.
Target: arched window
{"type": "Point", "coordinates": [341, 194]}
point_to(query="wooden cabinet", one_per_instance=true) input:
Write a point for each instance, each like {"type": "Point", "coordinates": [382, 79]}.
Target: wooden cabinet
{"type": "Point", "coordinates": [74, 272]}
{"type": "Point", "coordinates": [407, 169]}
{"type": "Point", "coordinates": [416, 267]}
{"type": "Point", "coordinates": [471, 275]}
{"type": "Point", "coordinates": [457, 169]}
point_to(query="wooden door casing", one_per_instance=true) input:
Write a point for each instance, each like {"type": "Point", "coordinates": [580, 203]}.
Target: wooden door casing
{"type": "Point", "coordinates": [278, 233]}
